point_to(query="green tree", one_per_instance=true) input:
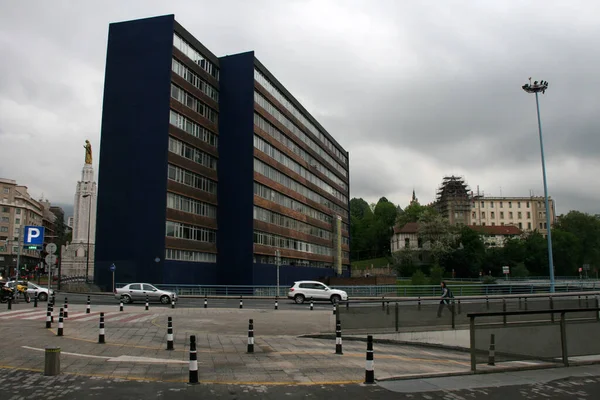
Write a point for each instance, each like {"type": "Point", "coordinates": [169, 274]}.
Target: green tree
{"type": "Point", "coordinates": [586, 228]}
{"type": "Point", "coordinates": [383, 227]}
{"type": "Point", "coordinates": [437, 234]}
{"type": "Point", "coordinates": [536, 254]}
{"type": "Point", "coordinates": [412, 213]}
{"type": "Point", "coordinates": [566, 252]}
{"type": "Point", "coordinates": [436, 275]}
{"type": "Point", "coordinates": [418, 278]}
{"type": "Point", "coordinates": [519, 271]}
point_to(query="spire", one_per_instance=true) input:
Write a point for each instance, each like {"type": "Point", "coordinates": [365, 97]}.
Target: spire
{"type": "Point", "coordinates": [414, 198]}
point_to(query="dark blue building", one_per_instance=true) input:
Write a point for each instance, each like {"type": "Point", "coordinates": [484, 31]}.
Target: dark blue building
{"type": "Point", "coordinates": [210, 171]}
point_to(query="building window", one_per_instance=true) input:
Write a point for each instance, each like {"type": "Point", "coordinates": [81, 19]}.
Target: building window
{"type": "Point", "coordinates": [195, 56]}
{"type": "Point", "coordinates": [493, 224]}
{"type": "Point", "coordinates": [493, 214]}
{"type": "Point", "coordinates": [188, 255]}
{"type": "Point", "coordinates": [483, 224]}
{"type": "Point", "coordinates": [529, 225]}
{"type": "Point", "coordinates": [191, 179]}
{"type": "Point", "coordinates": [474, 215]}
{"type": "Point", "coordinates": [194, 103]}
{"type": "Point", "coordinates": [18, 211]}
{"type": "Point", "coordinates": [519, 215]}
{"type": "Point", "coordinates": [406, 242]}
{"type": "Point", "coordinates": [545, 225]}
{"type": "Point", "coordinates": [6, 190]}
{"type": "Point", "coordinates": [491, 204]}
{"type": "Point", "coordinates": [483, 214]}
{"type": "Point", "coordinates": [17, 221]}
{"type": "Point", "coordinates": [520, 225]}
{"type": "Point", "coordinates": [527, 204]}
{"type": "Point", "coordinates": [190, 232]}
{"type": "Point", "coordinates": [540, 225]}
{"type": "Point", "coordinates": [192, 153]}
{"type": "Point", "coordinates": [5, 219]}
{"type": "Point", "coordinates": [510, 215]}
{"type": "Point", "coordinates": [528, 215]}
{"type": "Point", "coordinates": [483, 204]}
{"type": "Point", "coordinates": [193, 129]}
{"type": "Point", "coordinates": [419, 243]}
{"type": "Point", "coordinates": [501, 204]}
{"type": "Point", "coordinates": [4, 209]}
{"type": "Point", "coordinates": [518, 204]}
{"type": "Point", "coordinates": [510, 204]}
{"type": "Point", "coordinates": [3, 228]}
{"type": "Point", "coordinates": [501, 214]}
{"type": "Point", "coordinates": [260, 214]}
{"type": "Point", "coordinates": [192, 206]}
{"type": "Point", "coordinates": [267, 239]}
{"type": "Point", "coordinates": [195, 80]}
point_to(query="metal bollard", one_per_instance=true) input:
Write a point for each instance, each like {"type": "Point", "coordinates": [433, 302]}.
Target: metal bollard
{"type": "Point", "coordinates": [48, 317]}
{"type": "Point", "coordinates": [147, 304]}
{"type": "Point", "coordinates": [382, 304]}
{"type": "Point", "coordinates": [52, 311]}
{"type": "Point", "coordinates": [35, 299]}
{"type": "Point", "coordinates": [66, 309]}
{"type": "Point", "coordinates": [59, 332]}
{"type": "Point", "coordinates": [173, 303]}
{"type": "Point", "coordinates": [52, 361]}
{"type": "Point", "coordinates": [193, 379]}
{"type": "Point", "coordinates": [10, 302]}
{"type": "Point", "coordinates": [487, 303]}
{"type": "Point", "coordinates": [241, 302]}
{"type": "Point", "coordinates": [88, 307]}
{"type": "Point", "coordinates": [419, 304]}
{"type": "Point", "coordinates": [121, 305]}
{"type": "Point", "coordinates": [369, 371]}
{"type": "Point", "coordinates": [170, 333]}
{"type": "Point", "coordinates": [205, 302]}
{"type": "Point", "coordinates": [338, 337]}
{"type": "Point", "coordinates": [250, 336]}
{"type": "Point", "coordinates": [334, 307]}
{"type": "Point", "coordinates": [311, 305]}
{"type": "Point", "coordinates": [492, 354]}
{"type": "Point", "coordinates": [276, 304]}
{"type": "Point", "coordinates": [101, 333]}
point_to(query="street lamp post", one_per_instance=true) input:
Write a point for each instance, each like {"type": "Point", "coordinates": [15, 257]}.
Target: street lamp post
{"type": "Point", "coordinates": [87, 253]}
{"type": "Point", "coordinates": [537, 87]}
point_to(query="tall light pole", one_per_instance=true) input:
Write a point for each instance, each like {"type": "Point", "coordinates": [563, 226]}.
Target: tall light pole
{"type": "Point", "coordinates": [537, 87]}
{"type": "Point", "coordinates": [87, 253]}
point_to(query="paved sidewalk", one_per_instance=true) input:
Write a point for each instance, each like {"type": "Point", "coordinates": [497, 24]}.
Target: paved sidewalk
{"type": "Point", "coordinates": [136, 343]}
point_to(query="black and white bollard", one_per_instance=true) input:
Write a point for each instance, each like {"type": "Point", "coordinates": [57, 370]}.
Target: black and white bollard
{"type": "Point", "coordinates": [311, 305]}
{"type": "Point", "coordinates": [193, 361]}
{"type": "Point", "coordinates": [492, 354]}
{"type": "Point", "coordinates": [276, 304]}
{"type": "Point", "coordinates": [52, 311]}
{"type": "Point", "coordinates": [35, 299]}
{"type": "Point", "coordinates": [369, 372]}
{"type": "Point", "coordinates": [147, 305]}
{"type": "Point", "coordinates": [169, 333]}
{"type": "Point", "coordinates": [48, 317]}
{"type": "Point", "coordinates": [59, 332]}
{"type": "Point", "coordinates": [121, 305]}
{"type": "Point", "coordinates": [88, 307]}
{"type": "Point", "coordinates": [66, 310]}
{"type": "Point", "coordinates": [173, 302]}
{"type": "Point", "coordinates": [101, 333]}
{"type": "Point", "coordinates": [250, 336]}
{"type": "Point", "coordinates": [241, 302]}
{"type": "Point", "coordinates": [205, 302]}
{"type": "Point", "coordinates": [334, 307]}
{"type": "Point", "coordinates": [338, 337]}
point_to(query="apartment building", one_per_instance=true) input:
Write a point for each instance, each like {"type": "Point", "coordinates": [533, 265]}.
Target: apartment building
{"type": "Point", "coordinates": [526, 213]}
{"type": "Point", "coordinates": [209, 167]}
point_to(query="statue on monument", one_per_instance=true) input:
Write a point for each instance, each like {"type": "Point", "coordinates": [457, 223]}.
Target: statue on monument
{"type": "Point", "coordinates": [88, 152]}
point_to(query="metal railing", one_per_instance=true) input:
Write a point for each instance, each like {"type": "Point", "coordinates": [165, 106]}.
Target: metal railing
{"type": "Point", "coordinates": [366, 291]}
{"type": "Point", "coordinates": [526, 337]}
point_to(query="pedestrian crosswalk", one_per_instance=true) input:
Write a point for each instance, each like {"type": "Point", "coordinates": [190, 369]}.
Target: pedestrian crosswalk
{"type": "Point", "coordinates": [116, 316]}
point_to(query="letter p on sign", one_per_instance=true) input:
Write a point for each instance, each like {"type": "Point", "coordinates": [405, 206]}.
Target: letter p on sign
{"type": "Point", "coordinates": [34, 235]}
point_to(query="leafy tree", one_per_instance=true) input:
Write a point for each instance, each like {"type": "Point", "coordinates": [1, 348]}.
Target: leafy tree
{"type": "Point", "coordinates": [404, 261]}
{"type": "Point", "coordinates": [413, 213]}
{"type": "Point", "coordinates": [435, 231]}
{"type": "Point", "coordinates": [586, 228]}
{"type": "Point", "coordinates": [566, 252]}
{"type": "Point", "coordinates": [519, 271]}
{"type": "Point", "coordinates": [536, 254]}
{"type": "Point", "coordinates": [436, 275]}
{"type": "Point", "coordinates": [383, 228]}
{"type": "Point", "coordinates": [418, 278]}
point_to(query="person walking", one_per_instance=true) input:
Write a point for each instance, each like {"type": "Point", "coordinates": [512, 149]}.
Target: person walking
{"type": "Point", "coordinates": [445, 299]}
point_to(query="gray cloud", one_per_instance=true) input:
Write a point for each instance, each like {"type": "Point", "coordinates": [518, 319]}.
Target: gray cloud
{"type": "Point", "coordinates": [413, 91]}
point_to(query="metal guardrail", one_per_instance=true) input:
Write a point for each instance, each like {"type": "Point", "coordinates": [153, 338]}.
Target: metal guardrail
{"type": "Point", "coordinates": [542, 340]}
{"type": "Point", "coordinates": [502, 288]}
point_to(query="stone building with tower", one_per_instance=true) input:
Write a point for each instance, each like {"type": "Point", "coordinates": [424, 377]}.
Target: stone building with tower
{"type": "Point", "coordinates": [78, 255]}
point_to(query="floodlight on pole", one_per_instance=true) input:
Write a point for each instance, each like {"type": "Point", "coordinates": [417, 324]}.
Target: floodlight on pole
{"type": "Point", "coordinates": [541, 87]}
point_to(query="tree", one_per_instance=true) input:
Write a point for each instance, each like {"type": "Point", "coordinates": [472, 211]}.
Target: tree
{"type": "Point", "coordinates": [412, 213]}
{"type": "Point", "coordinates": [586, 228]}
{"type": "Point", "coordinates": [383, 228]}
{"type": "Point", "coordinates": [566, 252]}
{"type": "Point", "coordinates": [437, 233]}
{"type": "Point", "coordinates": [436, 274]}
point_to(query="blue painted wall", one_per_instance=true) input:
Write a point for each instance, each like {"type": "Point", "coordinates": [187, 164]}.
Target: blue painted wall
{"type": "Point", "coordinates": [132, 177]}
{"type": "Point", "coordinates": [236, 169]}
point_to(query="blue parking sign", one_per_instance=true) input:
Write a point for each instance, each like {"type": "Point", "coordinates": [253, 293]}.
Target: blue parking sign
{"type": "Point", "coordinates": [33, 235]}
{"type": "Point", "coordinates": [112, 267]}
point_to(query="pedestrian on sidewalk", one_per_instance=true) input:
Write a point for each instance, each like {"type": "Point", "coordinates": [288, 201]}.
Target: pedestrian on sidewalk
{"type": "Point", "coordinates": [445, 299]}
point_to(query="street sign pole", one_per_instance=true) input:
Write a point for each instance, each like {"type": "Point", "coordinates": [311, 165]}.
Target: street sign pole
{"type": "Point", "coordinates": [113, 267]}
{"type": "Point", "coordinates": [18, 258]}
{"type": "Point", "coordinates": [277, 254]}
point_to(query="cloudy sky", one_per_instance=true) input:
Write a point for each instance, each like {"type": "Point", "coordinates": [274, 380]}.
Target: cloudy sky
{"type": "Point", "coordinates": [413, 90]}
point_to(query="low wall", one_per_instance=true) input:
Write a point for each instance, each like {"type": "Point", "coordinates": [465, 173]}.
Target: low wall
{"type": "Point", "coordinates": [360, 281]}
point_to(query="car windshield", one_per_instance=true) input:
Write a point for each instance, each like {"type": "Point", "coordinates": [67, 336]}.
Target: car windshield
{"type": "Point", "coordinates": [32, 285]}
{"type": "Point", "coordinates": [149, 287]}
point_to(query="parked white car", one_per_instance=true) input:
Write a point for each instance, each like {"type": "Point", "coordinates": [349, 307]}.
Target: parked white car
{"type": "Point", "coordinates": [32, 288]}
{"type": "Point", "coordinates": [139, 292]}
{"type": "Point", "coordinates": [307, 290]}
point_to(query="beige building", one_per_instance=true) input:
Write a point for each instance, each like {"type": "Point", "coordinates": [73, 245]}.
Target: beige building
{"type": "Point", "coordinates": [17, 210]}
{"type": "Point", "coordinates": [526, 213]}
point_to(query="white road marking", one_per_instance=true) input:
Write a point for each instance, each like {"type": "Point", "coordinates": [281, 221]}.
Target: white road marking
{"type": "Point", "coordinates": [131, 359]}
{"type": "Point", "coordinates": [69, 354]}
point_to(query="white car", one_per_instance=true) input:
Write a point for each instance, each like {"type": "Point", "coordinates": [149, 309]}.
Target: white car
{"type": "Point", "coordinates": [42, 292]}
{"type": "Point", "coordinates": [314, 290]}
{"type": "Point", "coordinates": [141, 291]}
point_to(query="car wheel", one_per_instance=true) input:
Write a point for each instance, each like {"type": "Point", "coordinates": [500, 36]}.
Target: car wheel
{"type": "Point", "coordinates": [165, 299]}
{"type": "Point", "coordinates": [126, 299]}
{"type": "Point", "coordinates": [42, 297]}
{"type": "Point", "coordinates": [299, 298]}
{"type": "Point", "coordinates": [336, 298]}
